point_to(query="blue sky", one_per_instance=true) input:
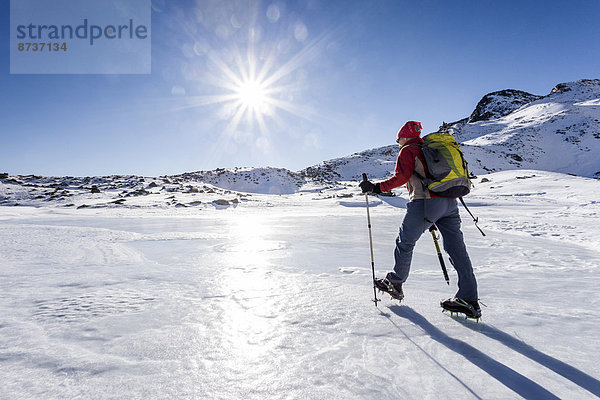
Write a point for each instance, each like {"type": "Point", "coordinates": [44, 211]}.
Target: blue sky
{"type": "Point", "coordinates": [287, 83]}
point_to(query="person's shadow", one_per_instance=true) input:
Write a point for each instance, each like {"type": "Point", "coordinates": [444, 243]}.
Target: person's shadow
{"type": "Point", "coordinates": [518, 383]}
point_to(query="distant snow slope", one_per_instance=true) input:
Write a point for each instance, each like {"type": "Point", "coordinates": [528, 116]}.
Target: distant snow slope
{"type": "Point", "coordinates": [253, 180]}
{"type": "Point", "coordinates": [376, 163]}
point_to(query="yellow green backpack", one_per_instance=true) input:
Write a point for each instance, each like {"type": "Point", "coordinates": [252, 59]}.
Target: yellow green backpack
{"type": "Point", "coordinates": [448, 175]}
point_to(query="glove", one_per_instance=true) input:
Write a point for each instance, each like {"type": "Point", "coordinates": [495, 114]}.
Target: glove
{"type": "Point", "coordinates": [369, 187]}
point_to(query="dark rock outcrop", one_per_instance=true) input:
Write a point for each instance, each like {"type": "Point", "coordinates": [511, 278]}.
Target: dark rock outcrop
{"type": "Point", "coordinates": [501, 103]}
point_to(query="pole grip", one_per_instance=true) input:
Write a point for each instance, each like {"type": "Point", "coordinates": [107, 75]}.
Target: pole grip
{"type": "Point", "coordinates": [364, 177]}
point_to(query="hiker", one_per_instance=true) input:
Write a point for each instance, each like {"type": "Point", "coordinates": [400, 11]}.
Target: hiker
{"type": "Point", "coordinates": [423, 210]}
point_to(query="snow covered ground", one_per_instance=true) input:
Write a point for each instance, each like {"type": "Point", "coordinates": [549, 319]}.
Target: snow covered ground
{"type": "Point", "coordinates": [271, 299]}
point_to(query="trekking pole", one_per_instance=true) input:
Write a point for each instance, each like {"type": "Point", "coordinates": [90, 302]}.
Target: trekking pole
{"type": "Point", "coordinates": [375, 299]}
{"type": "Point", "coordinates": [439, 253]}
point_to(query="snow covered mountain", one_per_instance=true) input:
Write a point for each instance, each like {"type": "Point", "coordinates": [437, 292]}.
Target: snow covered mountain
{"type": "Point", "coordinates": [559, 132]}
{"type": "Point", "coordinates": [508, 130]}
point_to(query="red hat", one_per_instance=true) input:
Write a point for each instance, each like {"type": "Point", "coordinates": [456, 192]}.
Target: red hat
{"type": "Point", "coordinates": [411, 129]}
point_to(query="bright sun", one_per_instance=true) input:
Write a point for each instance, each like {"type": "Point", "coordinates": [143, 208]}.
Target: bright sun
{"type": "Point", "coordinates": [253, 91]}
{"type": "Point", "coordinates": [253, 95]}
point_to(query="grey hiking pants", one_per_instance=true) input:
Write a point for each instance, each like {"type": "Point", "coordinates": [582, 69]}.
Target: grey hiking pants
{"type": "Point", "coordinates": [444, 213]}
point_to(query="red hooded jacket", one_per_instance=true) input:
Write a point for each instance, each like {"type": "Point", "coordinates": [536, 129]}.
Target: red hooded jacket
{"type": "Point", "coordinates": [410, 160]}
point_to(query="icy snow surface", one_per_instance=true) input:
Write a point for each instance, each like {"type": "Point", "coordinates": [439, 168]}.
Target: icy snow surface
{"type": "Point", "coordinates": [271, 299]}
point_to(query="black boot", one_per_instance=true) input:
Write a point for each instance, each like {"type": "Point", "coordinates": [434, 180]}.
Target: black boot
{"type": "Point", "coordinates": [393, 289]}
{"type": "Point", "coordinates": [470, 308]}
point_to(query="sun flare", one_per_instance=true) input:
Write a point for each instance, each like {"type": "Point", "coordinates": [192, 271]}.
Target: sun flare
{"type": "Point", "coordinates": [253, 94]}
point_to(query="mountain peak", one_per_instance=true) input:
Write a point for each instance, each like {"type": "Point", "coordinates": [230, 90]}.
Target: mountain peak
{"type": "Point", "coordinates": [500, 103]}
{"type": "Point", "coordinates": [557, 132]}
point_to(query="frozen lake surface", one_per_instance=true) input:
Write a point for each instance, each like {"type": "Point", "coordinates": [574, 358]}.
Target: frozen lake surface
{"type": "Point", "coordinates": [274, 302]}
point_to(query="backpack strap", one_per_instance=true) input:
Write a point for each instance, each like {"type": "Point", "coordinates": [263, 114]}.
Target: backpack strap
{"type": "Point", "coordinates": [475, 220]}
{"type": "Point", "coordinates": [422, 178]}
{"type": "Point", "coordinates": [423, 182]}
